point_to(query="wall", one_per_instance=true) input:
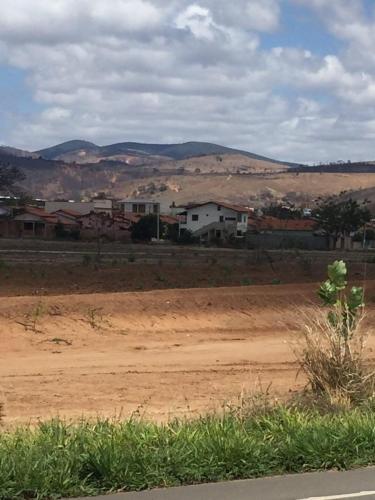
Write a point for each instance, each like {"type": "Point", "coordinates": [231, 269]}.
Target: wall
{"type": "Point", "coordinates": [287, 239]}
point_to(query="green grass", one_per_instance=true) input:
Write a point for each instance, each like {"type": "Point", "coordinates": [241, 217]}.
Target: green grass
{"type": "Point", "coordinates": [57, 459]}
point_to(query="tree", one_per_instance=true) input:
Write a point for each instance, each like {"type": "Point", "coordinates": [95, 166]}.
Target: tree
{"type": "Point", "coordinates": [283, 211]}
{"type": "Point", "coordinates": [9, 177]}
{"type": "Point", "coordinates": [146, 228]}
{"type": "Point", "coordinates": [341, 217]}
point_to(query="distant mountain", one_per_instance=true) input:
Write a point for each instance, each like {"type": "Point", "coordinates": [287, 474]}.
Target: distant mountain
{"type": "Point", "coordinates": [55, 152]}
{"type": "Point", "coordinates": [20, 153]}
{"type": "Point", "coordinates": [81, 150]}
{"type": "Point", "coordinates": [193, 171]}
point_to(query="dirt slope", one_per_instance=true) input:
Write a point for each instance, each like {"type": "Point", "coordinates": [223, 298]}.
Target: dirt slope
{"type": "Point", "coordinates": [162, 352]}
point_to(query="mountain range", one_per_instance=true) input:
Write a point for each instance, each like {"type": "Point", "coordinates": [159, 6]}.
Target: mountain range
{"type": "Point", "coordinates": [84, 151]}
{"type": "Point", "coordinates": [180, 173]}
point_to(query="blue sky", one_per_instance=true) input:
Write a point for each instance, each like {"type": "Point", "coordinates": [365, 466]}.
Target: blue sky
{"type": "Point", "coordinates": [291, 79]}
{"type": "Point", "coordinates": [302, 28]}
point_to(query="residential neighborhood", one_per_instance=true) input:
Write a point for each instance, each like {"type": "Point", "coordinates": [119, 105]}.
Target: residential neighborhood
{"type": "Point", "coordinates": [208, 223]}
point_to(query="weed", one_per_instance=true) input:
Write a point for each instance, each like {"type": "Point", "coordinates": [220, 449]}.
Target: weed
{"type": "Point", "coordinates": [94, 317]}
{"type": "Point", "coordinates": [246, 282]}
{"type": "Point", "coordinates": [57, 459]}
{"type": "Point", "coordinates": [3, 265]}
{"type": "Point", "coordinates": [276, 281]}
{"type": "Point", "coordinates": [86, 260]}
{"type": "Point", "coordinates": [59, 341]}
{"type": "Point", "coordinates": [33, 318]}
{"type": "Point", "coordinates": [332, 350]}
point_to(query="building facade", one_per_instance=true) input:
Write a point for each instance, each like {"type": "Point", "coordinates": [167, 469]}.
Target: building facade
{"type": "Point", "coordinates": [214, 220]}
{"type": "Point", "coordinates": [142, 207]}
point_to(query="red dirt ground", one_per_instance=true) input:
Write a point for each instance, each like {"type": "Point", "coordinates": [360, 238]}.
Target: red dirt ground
{"type": "Point", "coordinates": [163, 353]}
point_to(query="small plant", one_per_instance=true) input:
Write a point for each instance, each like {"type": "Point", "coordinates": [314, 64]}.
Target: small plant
{"type": "Point", "coordinates": [346, 309]}
{"type": "Point", "coordinates": [246, 282]}
{"type": "Point", "coordinates": [33, 318]}
{"type": "Point", "coordinates": [276, 281]}
{"type": "Point", "coordinates": [332, 356]}
{"type": "Point", "coordinates": [131, 258]}
{"type": "Point", "coordinates": [59, 341]}
{"type": "Point", "coordinates": [95, 317]}
{"type": "Point", "coordinates": [3, 265]}
{"type": "Point", "coordinates": [86, 260]}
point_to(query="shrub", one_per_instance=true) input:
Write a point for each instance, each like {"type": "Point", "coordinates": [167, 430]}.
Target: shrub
{"type": "Point", "coordinates": [86, 260]}
{"type": "Point", "coordinates": [332, 353]}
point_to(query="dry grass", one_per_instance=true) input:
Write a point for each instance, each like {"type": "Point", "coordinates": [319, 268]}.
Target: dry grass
{"type": "Point", "coordinates": [333, 362]}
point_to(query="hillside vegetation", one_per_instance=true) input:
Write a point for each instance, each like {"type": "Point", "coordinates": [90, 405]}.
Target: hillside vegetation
{"type": "Point", "coordinates": [181, 173]}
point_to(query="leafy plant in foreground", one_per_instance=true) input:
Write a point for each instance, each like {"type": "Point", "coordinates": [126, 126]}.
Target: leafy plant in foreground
{"type": "Point", "coordinates": [332, 352]}
{"type": "Point", "coordinates": [346, 308]}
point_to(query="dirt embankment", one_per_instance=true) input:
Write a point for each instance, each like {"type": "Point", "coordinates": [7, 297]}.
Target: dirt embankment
{"type": "Point", "coordinates": [163, 352]}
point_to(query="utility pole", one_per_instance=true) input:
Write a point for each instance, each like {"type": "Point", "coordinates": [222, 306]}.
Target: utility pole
{"type": "Point", "coordinates": [158, 224]}
{"type": "Point", "coordinates": [364, 237]}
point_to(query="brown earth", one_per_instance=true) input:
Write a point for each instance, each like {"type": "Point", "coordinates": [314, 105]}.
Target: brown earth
{"type": "Point", "coordinates": [63, 269]}
{"type": "Point", "coordinates": [161, 353]}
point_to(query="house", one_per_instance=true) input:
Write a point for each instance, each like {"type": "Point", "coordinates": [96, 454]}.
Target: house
{"type": "Point", "coordinates": [82, 207]}
{"type": "Point", "coordinates": [269, 232]}
{"type": "Point", "coordinates": [214, 220]}
{"type": "Point", "coordinates": [31, 222]}
{"type": "Point", "coordinates": [142, 207]}
{"type": "Point", "coordinates": [69, 217]}
{"type": "Point", "coordinates": [101, 225]}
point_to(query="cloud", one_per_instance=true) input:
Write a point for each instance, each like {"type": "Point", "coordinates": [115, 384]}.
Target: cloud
{"type": "Point", "coordinates": [175, 70]}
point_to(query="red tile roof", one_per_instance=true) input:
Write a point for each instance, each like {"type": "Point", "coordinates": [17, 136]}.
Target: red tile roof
{"type": "Point", "coordinates": [268, 223]}
{"type": "Point", "coordinates": [168, 219]}
{"type": "Point", "coordinates": [71, 213]}
{"type": "Point", "coordinates": [40, 212]}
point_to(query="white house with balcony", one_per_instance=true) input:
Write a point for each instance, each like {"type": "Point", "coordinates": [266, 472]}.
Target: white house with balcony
{"type": "Point", "coordinates": [138, 206]}
{"type": "Point", "coordinates": [214, 220]}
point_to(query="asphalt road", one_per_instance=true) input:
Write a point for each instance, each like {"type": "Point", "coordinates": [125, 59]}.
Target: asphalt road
{"type": "Point", "coordinates": [316, 486]}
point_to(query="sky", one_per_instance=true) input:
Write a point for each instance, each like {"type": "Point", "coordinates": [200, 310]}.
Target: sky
{"type": "Point", "coordinates": [289, 79]}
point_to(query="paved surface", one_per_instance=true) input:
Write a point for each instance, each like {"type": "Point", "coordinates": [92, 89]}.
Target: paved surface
{"type": "Point", "coordinates": [317, 486]}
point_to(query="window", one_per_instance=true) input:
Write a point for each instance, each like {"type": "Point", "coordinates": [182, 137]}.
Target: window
{"type": "Point", "coordinates": [218, 234]}
{"type": "Point", "coordinates": [239, 217]}
{"type": "Point", "coordinates": [28, 226]}
{"type": "Point", "coordinates": [239, 233]}
{"type": "Point", "coordinates": [195, 217]}
{"type": "Point", "coordinates": [221, 218]}
{"type": "Point", "coordinates": [244, 218]}
{"type": "Point", "coordinates": [139, 208]}
{"type": "Point", "coordinates": [219, 208]}
{"type": "Point", "coordinates": [156, 209]}
{"type": "Point", "coordinates": [230, 218]}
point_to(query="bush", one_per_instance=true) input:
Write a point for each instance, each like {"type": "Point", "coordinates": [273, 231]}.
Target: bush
{"type": "Point", "coordinates": [332, 353]}
{"type": "Point", "coordinates": [146, 228]}
{"type": "Point", "coordinates": [187, 238]}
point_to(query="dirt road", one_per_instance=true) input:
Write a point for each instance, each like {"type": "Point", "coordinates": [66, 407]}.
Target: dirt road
{"type": "Point", "coordinates": [161, 353]}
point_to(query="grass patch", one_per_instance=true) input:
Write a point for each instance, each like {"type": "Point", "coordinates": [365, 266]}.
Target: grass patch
{"type": "Point", "coordinates": [57, 459]}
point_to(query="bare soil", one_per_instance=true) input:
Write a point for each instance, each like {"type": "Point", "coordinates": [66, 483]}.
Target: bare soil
{"type": "Point", "coordinates": [160, 353]}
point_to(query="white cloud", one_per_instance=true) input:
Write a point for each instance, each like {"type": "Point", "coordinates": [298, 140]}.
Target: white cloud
{"type": "Point", "coordinates": [174, 70]}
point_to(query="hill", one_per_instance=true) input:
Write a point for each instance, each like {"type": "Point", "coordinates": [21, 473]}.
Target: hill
{"type": "Point", "coordinates": [55, 152]}
{"type": "Point", "coordinates": [182, 173]}
{"type": "Point", "coordinates": [84, 152]}
{"type": "Point", "coordinates": [20, 153]}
